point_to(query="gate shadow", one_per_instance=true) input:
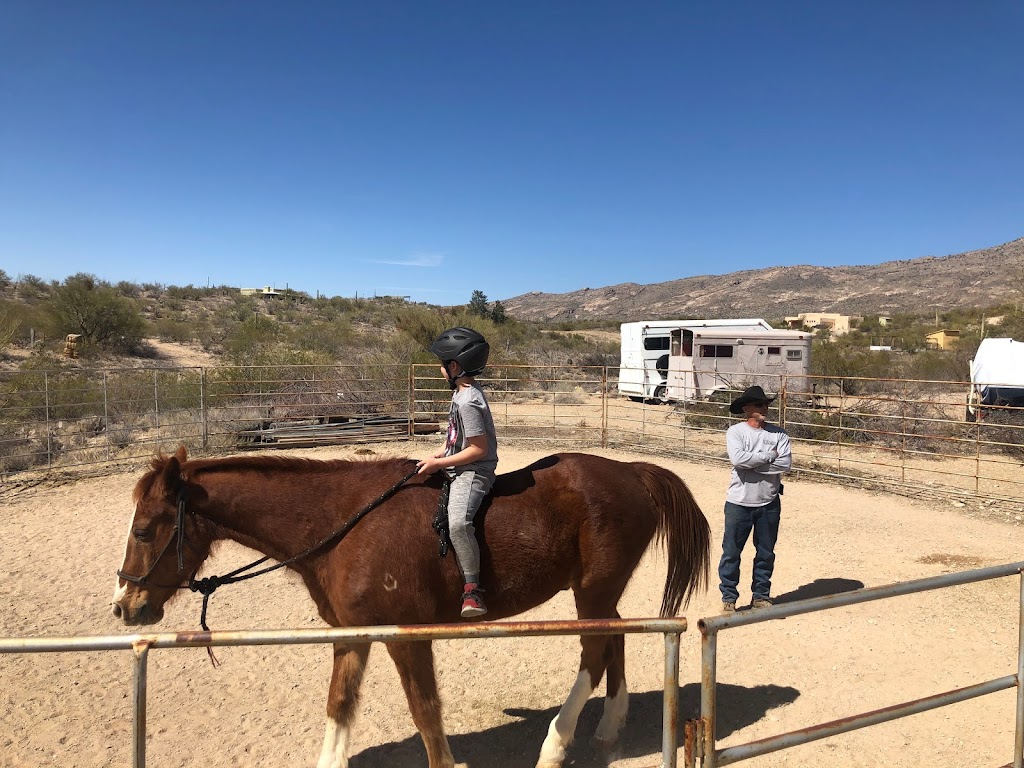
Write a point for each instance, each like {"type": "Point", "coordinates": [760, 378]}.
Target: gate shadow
{"type": "Point", "coordinates": [517, 744]}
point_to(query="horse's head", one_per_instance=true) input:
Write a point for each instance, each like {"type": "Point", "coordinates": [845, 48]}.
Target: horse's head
{"type": "Point", "coordinates": [166, 542]}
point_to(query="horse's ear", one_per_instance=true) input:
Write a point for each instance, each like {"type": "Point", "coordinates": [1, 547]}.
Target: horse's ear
{"type": "Point", "coordinates": [181, 454]}
{"type": "Point", "coordinates": [171, 476]}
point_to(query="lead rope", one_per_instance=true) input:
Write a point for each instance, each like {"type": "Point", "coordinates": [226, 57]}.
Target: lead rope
{"type": "Point", "coordinates": [208, 585]}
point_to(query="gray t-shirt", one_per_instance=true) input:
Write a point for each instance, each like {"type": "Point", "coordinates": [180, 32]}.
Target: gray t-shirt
{"type": "Point", "coordinates": [470, 415]}
{"type": "Point", "coordinates": [759, 457]}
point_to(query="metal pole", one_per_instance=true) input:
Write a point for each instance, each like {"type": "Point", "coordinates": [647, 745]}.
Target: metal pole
{"type": "Point", "coordinates": [141, 650]}
{"type": "Point", "coordinates": [670, 716]}
{"type": "Point", "coordinates": [203, 407]}
{"type": "Point", "coordinates": [49, 438]}
{"type": "Point", "coordinates": [1018, 741]}
{"type": "Point", "coordinates": [106, 417]}
{"type": "Point", "coordinates": [604, 407]}
{"type": "Point", "coordinates": [412, 402]}
{"type": "Point", "coordinates": [156, 400]}
{"type": "Point", "coordinates": [708, 698]}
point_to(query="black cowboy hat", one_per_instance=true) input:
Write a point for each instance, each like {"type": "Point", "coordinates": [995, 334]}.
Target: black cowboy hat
{"type": "Point", "coordinates": [750, 395]}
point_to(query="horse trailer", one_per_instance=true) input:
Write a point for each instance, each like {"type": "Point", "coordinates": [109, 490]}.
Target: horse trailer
{"type": "Point", "coordinates": [703, 361]}
{"type": "Point", "coordinates": [997, 377]}
{"type": "Point", "coordinates": [644, 360]}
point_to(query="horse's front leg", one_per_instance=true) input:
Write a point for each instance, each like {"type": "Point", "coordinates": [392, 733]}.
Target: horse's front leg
{"type": "Point", "coordinates": [349, 664]}
{"type": "Point", "coordinates": [415, 663]}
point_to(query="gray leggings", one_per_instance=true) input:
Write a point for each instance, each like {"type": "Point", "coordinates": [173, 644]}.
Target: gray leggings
{"type": "Point", "coordinates": [467, 491]}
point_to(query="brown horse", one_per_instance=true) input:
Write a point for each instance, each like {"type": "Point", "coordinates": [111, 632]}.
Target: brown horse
{"type": "Point", "coordinates": [567, 521]}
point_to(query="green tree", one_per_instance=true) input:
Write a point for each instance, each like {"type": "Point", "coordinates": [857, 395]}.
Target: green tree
{"type": "Point", "coordinates": [4, 279]}
{"type": "Point", "coordinates": [82, 304]}
{"type": "Point", "coordinates": [478, 304]}
{"type": "Point", "coordinates": [498, 313]}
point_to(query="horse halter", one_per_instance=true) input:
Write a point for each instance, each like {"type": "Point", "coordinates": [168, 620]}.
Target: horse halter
{"type": "Point", "coordinates": [178, 536]}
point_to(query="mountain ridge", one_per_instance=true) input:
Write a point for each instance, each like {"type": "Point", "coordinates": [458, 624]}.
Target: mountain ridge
{"type": "Point", "coordinates": [966, 279]}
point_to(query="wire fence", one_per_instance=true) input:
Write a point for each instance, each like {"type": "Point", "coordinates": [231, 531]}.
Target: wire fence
{"type": "Point", "coordinates": [915, 436]}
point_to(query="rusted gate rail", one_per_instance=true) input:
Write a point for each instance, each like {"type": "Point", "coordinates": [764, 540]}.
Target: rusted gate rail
{"type": "Point", "coordinates": [141, 644]}
{"type": "Point", "coordinates": [700, 734]}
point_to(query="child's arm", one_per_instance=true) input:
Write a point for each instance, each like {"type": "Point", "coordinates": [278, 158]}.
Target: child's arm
{"type": "Point", "coordinates": [475, 450]}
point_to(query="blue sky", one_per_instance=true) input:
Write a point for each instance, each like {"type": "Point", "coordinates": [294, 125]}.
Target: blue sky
{"type": "Point", "coordinates": [430, 149]}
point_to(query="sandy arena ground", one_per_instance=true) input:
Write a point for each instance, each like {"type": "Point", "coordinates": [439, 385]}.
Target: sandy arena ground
{"type": "Point", "coordinates": [60, 545]}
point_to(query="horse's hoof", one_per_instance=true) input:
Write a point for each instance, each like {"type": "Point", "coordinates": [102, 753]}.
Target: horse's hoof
{"type": "Point", "coordinates": [605, 745]}
{"type": "Point", "coordinates": [549, 764]}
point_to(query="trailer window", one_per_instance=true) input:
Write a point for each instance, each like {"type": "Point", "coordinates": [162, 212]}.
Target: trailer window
{"type": "Point", "coordinates": [682, 343]}
{"type": "Point", "coordinates": [656, 343]}
{"type": "Point", "coordinates": [713, 350]}
{"type": "Point", "coordinates": [774, 350]}
{"type": "Point", "coordinates": [794, 354]}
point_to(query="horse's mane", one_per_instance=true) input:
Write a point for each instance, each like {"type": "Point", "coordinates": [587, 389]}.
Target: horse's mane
{"type": "Point", "coordinates": [191, 469]}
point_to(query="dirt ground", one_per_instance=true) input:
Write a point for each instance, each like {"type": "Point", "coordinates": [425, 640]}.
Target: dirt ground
{"type": "Point", "coordinates": [60, 545]}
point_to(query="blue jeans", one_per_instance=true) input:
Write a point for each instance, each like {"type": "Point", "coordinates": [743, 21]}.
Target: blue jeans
{"type": "Point", "coordinates": [739, 521]}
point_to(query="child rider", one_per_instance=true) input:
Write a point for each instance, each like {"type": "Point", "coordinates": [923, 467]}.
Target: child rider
{"type": "Point", "coordinates": [470, 453]}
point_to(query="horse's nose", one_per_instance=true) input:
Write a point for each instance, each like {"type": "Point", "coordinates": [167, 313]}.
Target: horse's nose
{"type": "Point", "coordinates": [117, 611]}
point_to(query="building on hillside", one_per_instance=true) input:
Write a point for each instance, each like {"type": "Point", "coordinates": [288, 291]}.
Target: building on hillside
{"type": "Point", "coordinates": [884, 320]}
{"type": "Point", "coordinates": [266, 292]}
{"type": "Point", "coordinates": [944, 339]}
{"type": "Point", "coordinates": [837, 324]}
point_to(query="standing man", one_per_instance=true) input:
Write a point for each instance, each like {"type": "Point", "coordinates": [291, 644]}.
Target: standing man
{"type": "Point", "coordinates": [759, 453]}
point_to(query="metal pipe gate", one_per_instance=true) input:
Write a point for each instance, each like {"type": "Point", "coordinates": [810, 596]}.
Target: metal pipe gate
{"type": "Point", "coordinates": [700, 734]}
{"type": "Point", "coordinates": [141, 644]}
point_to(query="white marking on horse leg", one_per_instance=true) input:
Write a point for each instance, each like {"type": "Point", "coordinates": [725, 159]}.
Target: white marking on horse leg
{"type": "Point", "coordinates": [335, 751]}
{"type": "Point", "coordinates": [614, 717]}
{"type": "Point", "coordinates": [563, 726]}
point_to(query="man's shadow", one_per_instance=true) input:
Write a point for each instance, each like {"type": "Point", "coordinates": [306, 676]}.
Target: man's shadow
{"type": "Point", "coordinates": [517, 744]}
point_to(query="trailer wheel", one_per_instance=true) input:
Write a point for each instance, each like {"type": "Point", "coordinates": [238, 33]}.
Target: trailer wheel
{"type": "Point", "coordinates": [661, 394]}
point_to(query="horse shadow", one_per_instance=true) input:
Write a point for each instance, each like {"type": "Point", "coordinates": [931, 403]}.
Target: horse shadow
{"type": "Point", "coordinates": [517, 744]}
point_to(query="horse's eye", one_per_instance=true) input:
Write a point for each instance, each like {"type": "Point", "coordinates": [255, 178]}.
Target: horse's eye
{"type": "Point", "coordinates": [142, 534]}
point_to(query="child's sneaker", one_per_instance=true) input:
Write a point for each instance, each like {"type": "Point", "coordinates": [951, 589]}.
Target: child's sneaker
{"type": "Point", "coordinates": [472, 601]}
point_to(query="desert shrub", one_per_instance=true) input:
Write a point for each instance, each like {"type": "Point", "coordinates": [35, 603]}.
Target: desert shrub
{"type": "Point", "coordinates": [172, 330]}
{"type": "Point", "coordinates": [32, 287]}
{"type": "Point", "coordinates": [94, 309]}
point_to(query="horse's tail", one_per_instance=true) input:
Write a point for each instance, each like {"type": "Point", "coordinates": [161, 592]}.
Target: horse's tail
{"type": "Point", "coordinates": [685, 532]}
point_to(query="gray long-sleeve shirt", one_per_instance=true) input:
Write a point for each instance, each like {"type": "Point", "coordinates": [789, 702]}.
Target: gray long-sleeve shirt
{"type": "Point", "coordinates": [759, 456]}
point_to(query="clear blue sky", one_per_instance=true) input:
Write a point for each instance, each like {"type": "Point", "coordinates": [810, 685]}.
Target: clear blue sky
{"type": "Point", "coordinates": [430, 149]}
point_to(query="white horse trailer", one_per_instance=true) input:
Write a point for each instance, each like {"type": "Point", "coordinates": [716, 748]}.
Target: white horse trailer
{"type": "Point", "coordinates": [643, 364]}
{"type": "Point", "coordinates": [703, 361]}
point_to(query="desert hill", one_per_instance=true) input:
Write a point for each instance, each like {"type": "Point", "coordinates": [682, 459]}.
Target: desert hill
{"type": "Point", "coordinates": [985, 277]}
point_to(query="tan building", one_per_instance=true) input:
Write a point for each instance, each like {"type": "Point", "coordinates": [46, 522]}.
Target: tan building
{"type": "Point", "coordinates": [837, 324]}
{"type": "Point", "coordinates": [944, 339]}
{"type": "Point", "coordinates": [266, 292]}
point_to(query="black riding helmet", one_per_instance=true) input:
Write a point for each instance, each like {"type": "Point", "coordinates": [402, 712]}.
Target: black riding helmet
{"type": "Point", "coordinates": [465, 346]}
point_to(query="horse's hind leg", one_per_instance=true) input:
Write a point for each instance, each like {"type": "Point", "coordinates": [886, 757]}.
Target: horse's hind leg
{"type": "Point", "coordinates": [616, 702]}
{"type": "Point", "coordinates": [415, 663]}
{"type": "Point", "coordinates": [598, 652]}
{"type": "Point", "coordinates": [349, 664]}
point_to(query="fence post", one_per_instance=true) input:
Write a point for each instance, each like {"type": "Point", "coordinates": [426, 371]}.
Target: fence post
{"type": "Point", "coordinates": [604, 407]}
{"type": "Point", "coordinates": [782, 404]}
{"type": "Point", "coordinates": [708, 697]}
{"type": "Point", "coordinates": [49, 438]}
{"type": "Point", "coordinates": [156, 399]}
{"type": "Point", "coordinates": [106, 417]}
{"type": "Point", "coordinates": [141, 650]}
{"type": "Point", "coordinates": [670, 715]}
{"type": "Point", "coordinates": [1018, 741]}
{"type": "Point", "coordinates": [412, 401]}
{"type": "Point", "coordinates": [203, 407]}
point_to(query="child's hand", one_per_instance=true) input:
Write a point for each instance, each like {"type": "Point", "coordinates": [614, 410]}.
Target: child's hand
{"type": "Point", "coordinates": [428, 466]}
